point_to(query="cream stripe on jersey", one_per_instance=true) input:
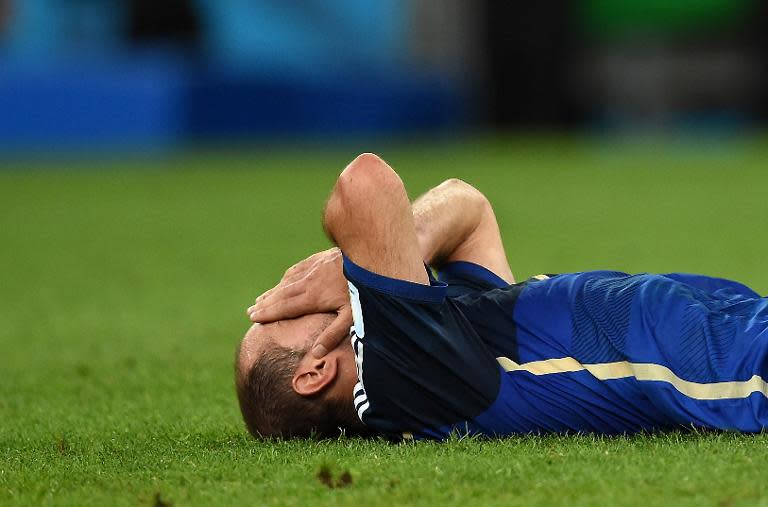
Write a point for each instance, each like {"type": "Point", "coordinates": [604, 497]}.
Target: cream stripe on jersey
{"type": "Point", "coordinates": [643, 372]}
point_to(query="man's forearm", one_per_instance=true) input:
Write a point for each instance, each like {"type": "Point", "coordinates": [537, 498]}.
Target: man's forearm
{"type": "Point", "coordinates": [368, 216]}
{"type": "Point", "coordinates": [445, 217]}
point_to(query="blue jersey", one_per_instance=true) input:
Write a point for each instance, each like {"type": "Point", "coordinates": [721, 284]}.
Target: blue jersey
{"type": "Point", "coordinates": [601, 351]}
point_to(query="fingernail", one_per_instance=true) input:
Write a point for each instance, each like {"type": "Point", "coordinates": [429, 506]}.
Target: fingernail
{"type": "Point", "coordinates": [319, 351]}
{"type": "Point", "coordinates": [252, 315]}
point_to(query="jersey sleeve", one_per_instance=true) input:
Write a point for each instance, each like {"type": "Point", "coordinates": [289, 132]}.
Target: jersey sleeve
{"type": "Point", "coordinates": [421, 365]}
{"type": "Point", "coordinates": [467, 277]}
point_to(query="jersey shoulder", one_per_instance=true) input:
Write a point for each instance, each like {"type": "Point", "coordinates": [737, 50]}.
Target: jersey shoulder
{"type": "Point", "coordinates": [420, 362]}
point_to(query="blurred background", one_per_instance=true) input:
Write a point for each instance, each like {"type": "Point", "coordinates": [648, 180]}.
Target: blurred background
{"type": "Point", "coordinates": [140, 75]}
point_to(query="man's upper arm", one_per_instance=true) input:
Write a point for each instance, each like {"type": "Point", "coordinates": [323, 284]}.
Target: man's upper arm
{"type": "Point", "coordinates": [369, 217]}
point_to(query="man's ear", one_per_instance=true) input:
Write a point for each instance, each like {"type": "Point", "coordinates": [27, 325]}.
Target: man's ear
{"type": "Point", "coordinates": [315, 375]}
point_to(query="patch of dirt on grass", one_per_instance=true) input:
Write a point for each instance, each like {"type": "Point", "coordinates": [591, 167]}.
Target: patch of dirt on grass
{"type": "Point", "coordinates": [159, 502]}
{"type": "Point", "coordinates": [62, 446]}
{"type": "Point", "coordinates": [325, 476]}
{"type": "Point", "coordinates": [344, 480]}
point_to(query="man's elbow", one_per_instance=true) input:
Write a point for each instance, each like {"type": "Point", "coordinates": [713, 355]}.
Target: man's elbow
{"type": "Point", "coordinates": [366, 184]}
{"type": "Point", "coordinates": [366, 174]}
{"type": "Point", "coordinates": [467, 193]}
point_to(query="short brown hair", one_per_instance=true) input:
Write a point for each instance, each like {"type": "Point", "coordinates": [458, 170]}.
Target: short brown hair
{"type": "Point", "coordinates": [271, 408]}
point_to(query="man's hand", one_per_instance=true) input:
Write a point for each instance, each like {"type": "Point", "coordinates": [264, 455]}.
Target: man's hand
{"type": "Point", "coordinates": [314, 285]}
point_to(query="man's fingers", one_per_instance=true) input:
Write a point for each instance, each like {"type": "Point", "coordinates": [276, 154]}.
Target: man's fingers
{"type": "Point", "coordinates": [297, 272]}
{"type": "Point", "coordinates": [294, 274]}
{"type": "Point", "coordinates": [265, 295]}
{"type": "Point", "coordinates": [288, 307]}
{"type": "Point", "coordinates": [276, 296]}
{"type": "Point", "coordinates": [306, 287]}
{"type": "Point", "coordinates": [299, 269]}
{"type": "Point", "coordinates": [282, 286]}
{"type": "Point", "coordinates": [337, 331]}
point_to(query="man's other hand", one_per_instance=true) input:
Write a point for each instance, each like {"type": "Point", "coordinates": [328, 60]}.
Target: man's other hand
{"type": "Point", "coordinates": [314, 285]}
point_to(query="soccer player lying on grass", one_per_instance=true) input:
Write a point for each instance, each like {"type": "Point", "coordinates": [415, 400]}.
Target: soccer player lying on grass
{"type": "Point", "coordinates": [474, 353]}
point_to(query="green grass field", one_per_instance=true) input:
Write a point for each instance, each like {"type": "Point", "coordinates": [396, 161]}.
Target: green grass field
{"type": "Point", "coordinates": [122, 296]}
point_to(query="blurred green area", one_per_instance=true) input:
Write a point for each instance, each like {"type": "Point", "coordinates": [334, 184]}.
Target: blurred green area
{"type": "Point", "coordinates": [622, 18]}
{"type": "Point", "coordinates": [124, 286]}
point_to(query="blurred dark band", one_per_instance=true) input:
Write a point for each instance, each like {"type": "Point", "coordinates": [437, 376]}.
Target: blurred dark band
{"type": "Point", "coordinates": [168, 21]}
{"type": "Point", "coordinates": [154, 75]}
